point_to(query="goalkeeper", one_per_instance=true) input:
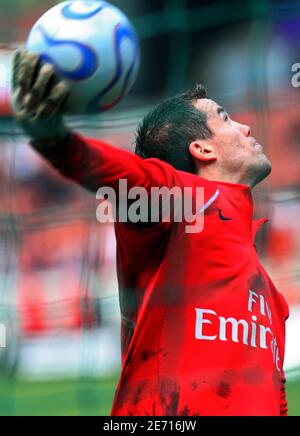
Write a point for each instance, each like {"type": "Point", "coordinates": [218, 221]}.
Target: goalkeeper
{"type": "Point", "coordinates": [203, 326]}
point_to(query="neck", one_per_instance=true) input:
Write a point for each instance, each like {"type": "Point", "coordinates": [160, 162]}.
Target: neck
{"type": "Point", "coordinates": [219, 176]}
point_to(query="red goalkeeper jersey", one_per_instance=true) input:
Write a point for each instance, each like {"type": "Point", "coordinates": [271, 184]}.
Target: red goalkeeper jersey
{"type": "Point", "coordinates": [203, 326]}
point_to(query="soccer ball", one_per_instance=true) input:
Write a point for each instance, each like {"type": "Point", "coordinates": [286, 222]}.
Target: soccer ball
{"type": "Point", "coordinates": [93, 46]}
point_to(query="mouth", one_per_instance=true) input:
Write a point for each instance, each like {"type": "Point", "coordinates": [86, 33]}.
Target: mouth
{"type": "Point", "coordinates": [256, 145]}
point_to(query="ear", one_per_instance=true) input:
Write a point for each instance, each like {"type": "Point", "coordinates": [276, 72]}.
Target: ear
{"type": "Point", "coordinates": [203, 151]}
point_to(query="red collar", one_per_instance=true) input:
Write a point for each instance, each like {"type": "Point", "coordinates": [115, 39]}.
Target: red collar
{"type": "Point", "coordinates": [241, 196]}
{"type": "Point", "coordinates": [256, 226]}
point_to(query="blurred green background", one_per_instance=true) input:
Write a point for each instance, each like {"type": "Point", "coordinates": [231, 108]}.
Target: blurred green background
{"type": "Point", "coordinates": [78, 397]}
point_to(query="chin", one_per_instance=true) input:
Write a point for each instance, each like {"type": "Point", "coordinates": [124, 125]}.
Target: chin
{"type": "Point", "coordinates": [262, 170]}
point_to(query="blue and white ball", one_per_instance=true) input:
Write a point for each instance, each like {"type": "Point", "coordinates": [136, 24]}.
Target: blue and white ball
{"type": "Point", "coordinates": [94, 47]}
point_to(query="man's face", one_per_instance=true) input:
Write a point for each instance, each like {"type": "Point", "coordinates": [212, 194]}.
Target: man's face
{"type": "Point", "coordinates": [235, 149]}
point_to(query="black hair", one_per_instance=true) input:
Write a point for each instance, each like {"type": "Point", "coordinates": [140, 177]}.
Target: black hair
{"type": "Point", "coordinates": [167, 131]}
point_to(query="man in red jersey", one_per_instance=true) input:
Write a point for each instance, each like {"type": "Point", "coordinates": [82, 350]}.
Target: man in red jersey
{"type": "Point", "coordinates": [203, 326]}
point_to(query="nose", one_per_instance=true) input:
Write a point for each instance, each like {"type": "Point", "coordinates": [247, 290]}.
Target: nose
{"type": "Point", "coordinates": [243, 128]}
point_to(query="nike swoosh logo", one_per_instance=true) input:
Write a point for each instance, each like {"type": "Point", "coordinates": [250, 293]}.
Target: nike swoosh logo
{"type": "Point", "coordinates": [222, 217]}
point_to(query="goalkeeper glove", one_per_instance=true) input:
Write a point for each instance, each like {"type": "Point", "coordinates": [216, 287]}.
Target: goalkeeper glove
{"type": "Point", "coordinates": [38, 98]}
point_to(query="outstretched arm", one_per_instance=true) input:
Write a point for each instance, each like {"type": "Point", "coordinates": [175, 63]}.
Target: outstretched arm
{"type": "Point", "coordinates": [39, 97]}
{"type": "Point", "coordinates": [93, 163]}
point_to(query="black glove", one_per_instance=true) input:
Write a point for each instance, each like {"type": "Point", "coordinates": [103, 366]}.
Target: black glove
{"type": "Point", "coordinates": [38, 97]}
